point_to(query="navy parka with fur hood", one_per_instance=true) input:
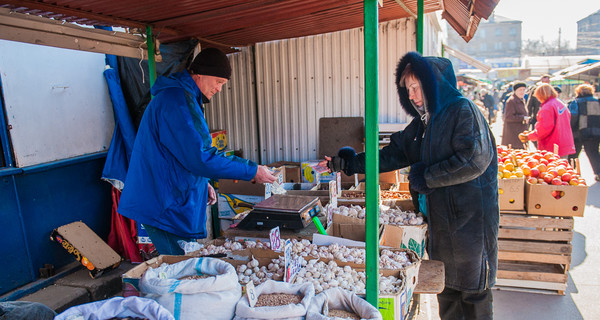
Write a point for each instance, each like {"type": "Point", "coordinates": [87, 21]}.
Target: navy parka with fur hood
{"type": "Point", "coordinates": [459, 152]}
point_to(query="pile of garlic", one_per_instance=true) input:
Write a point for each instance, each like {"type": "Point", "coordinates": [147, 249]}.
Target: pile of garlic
{"type": "Point", "coordinates": [228, 247]}
{"type": "Point", "coordinates": [387, 215]}
{"type": "Point", "coordinates": [329, 275]}
{"type": "Point", "coordinates": [388, 259]}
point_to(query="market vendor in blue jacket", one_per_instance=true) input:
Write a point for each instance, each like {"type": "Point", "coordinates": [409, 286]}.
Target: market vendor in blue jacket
{"type": "Point", "coordinates": [453, 167]}
{"type": "Point", "coordinates": [167, 187]}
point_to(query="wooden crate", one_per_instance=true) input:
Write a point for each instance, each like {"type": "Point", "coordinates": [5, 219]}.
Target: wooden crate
{"type": "Point", "coordinates": [534, 252]}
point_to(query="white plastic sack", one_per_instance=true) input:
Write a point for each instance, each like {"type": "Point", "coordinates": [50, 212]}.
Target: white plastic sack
{"type": "Point", "coordinates": [211, 298]}
{"type": "Point", "coordinates": [117, 307]}
{"type": "Point", "coordinates": [287, 312]}
{"type": "Point", "coordinates": [340, 299]}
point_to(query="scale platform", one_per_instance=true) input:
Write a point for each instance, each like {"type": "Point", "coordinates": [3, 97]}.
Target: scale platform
{"type": "Point", "coordinates": [284, 211]}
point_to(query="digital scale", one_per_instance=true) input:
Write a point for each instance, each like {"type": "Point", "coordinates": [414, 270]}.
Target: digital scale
{"type": "Point", "coordinates": [285, 211]}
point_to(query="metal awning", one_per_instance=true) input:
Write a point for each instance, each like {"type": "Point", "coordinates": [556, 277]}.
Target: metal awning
{"type": "Point", "coordinates": [467, 59]}
{"type": "Point", "coordinates": [587, 72]}
{"type": "Point", "coordinates": [238, 23]}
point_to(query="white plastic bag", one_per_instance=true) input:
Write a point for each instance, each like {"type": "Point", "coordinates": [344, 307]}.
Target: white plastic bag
{"type": "Point", "coordinates": [340, 299]}
{"type": "Point", "coordinates": [211, 298]}
{"type": "Point", "coordinates": [243, 311]}
{"type": "Point", "coordinates": [117, 307]}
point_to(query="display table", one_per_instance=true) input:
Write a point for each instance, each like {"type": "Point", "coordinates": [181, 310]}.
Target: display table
{"type": "Point", "coordinates": [431, 277]}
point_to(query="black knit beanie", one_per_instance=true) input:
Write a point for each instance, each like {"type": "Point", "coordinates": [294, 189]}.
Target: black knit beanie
{"type": "Point", "coordinates": [518, 85]}
{"type": "Point", "coordinates": [211, 62]}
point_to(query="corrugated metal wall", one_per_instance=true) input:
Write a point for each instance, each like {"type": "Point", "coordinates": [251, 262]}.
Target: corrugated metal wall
{"type": "Point", "coordinates": [301, 80]}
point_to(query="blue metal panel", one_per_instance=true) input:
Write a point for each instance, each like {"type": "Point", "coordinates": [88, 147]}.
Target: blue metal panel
{"type": "Point", "coordinates": [36, 200]}
{"type": "Point", "coordinates": [15, 267]}
{"type": "Point", "coordinates": [50, 199]}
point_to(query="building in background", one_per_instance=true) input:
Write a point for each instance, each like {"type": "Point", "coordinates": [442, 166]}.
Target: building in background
{"type": "Point", "coordinates": [588, 34]}
{"type": "Point", "coordinates": [497, 43]}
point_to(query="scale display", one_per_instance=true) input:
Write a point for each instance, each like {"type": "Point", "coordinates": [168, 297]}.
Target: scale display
{"type": "Point", "coordinates": [285, 211]}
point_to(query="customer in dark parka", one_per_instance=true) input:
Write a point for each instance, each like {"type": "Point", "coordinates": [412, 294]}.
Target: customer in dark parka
{"type": "Point", "coordinates": [453, 159]}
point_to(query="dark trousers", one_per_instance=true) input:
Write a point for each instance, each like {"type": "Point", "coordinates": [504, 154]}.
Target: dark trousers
{"type": "Point", "coordinates": [459, 305]}
{"type": "Point", "coordinates": [591, 150]}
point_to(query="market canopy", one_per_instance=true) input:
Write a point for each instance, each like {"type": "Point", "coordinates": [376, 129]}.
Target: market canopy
{"type": "Point", "coordinates": [588, 70]}
{"type": "Point", "coordinates": [238, 23]}
{"type": "Point", "coordinates": [467, 59]}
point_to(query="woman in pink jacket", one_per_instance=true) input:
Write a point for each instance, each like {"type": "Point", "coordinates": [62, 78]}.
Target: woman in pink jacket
{"type": "Point", "coordinates": [553, 125]}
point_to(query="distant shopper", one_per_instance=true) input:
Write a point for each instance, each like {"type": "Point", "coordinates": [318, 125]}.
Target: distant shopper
{"type": "Point", "coordinates": [515, 117]}
{"type": "Point", "coordinates": [554, 123]}
{"type": "Point", "coordinates": [533, 104]}
{"type": "Point", "coordinates": [488, 102]}
{"type": "Point", "coordinates": [585, 123]}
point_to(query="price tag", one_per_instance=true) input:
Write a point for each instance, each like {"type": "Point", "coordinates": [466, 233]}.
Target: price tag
{"type": "Point", "coordinates": [251, 293]}
{"type": "Point", "coordinates": [338, 178]}
{"type": "Point", "coordinates": [333, 195]}
{"type": "Point", "coordinates": [287, 253]}
{"type": "Point", "coordinates": [329, 216]}
{"type": "Point", "coordinates": [275, 237]}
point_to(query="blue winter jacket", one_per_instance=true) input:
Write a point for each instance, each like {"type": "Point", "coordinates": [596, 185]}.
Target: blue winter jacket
{"type": "Point", "coordinates": [172, 159]}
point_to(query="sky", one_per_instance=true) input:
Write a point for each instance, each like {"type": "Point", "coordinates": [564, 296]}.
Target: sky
{"type": "Point", "coordinates": [543, 18]}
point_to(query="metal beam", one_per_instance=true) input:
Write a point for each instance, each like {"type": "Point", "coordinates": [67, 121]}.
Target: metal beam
{"type": "Point", "coordinates": [405, 7]}
{"type": "Point", "coordinates": [43, 31]}
{"type": "Point", "coordinates": [69, 12]}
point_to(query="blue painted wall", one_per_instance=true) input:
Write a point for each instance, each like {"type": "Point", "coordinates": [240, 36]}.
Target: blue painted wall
{"type": "Point", "coordinates": [36, 200]}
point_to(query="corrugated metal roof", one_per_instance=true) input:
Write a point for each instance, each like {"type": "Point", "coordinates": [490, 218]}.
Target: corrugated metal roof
{"type": "Point", "coordinates": [238, 23]}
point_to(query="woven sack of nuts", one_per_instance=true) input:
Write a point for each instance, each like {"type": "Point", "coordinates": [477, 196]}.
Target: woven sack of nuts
{"type": "Point", "coordinates": [279, 292]}
{"type": "Point", "coordinates": [343, 301]}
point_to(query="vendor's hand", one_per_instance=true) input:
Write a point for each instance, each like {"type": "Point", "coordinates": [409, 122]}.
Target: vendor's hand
{"type": "Point", "coordinates": [212, 195]}
{"type": "Point", "coordinates": [416, 178]}
{"type": "Point", "coordinates": [263, 175]}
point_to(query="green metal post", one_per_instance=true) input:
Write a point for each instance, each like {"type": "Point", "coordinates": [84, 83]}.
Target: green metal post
{"type": "Point", "coordinates": [372, 150]}
{"type": "Point", "coordinates": [420, 26]}
{"type": "Point", "coordinates": [151, 61]}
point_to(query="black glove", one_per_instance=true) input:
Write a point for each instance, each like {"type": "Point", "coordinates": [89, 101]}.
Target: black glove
{"type": "Point", "coordinates": [343, 161]}
{"type": "Point", "coordinates": [416, 178]}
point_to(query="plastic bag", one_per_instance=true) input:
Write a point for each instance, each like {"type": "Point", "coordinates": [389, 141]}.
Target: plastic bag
{"type": "Point", "coordinates": [287, 312]}
{"type": "Point", "coordinates": [117, 307]}
{"type": "Point", "coordinates": [210, 298]}
{"type": "Point", "coordinates": [340, 299]}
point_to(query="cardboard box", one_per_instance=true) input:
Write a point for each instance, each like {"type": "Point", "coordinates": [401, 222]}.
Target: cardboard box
{"type": "Point", "coordinates": [230, 205]}
{"type": "Point", "coordinates": [511, 194]}
{"type": "Point", "coordinates": [142, 235]}
{"type": "Point", "coordinates": [87, 247]}
{"type": "Point", "coordinates": [236, 196]}
{"type": "Point", "coordinates": [312, 172]}
{"type": "Point", "coordinates": [219, 139]}
{"type": "Point", "coordinates": [292, 170]}
{"type": "Point", "coordinates": [540, 200]}
{"type": "Point", "coordinates": [406, 237]}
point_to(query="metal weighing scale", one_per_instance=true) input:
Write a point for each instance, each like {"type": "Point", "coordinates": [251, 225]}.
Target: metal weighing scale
{"type": "Point", "coordinates": [285, 211]}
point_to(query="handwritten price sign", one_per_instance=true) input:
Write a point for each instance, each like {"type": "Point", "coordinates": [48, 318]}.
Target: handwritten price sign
{"type": "Point", "coordinates": [275, 237]}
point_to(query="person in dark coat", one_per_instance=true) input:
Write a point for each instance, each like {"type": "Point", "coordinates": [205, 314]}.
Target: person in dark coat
{"type": "Point", "coordinates": [488, 102]}
{"type": "Point", "coordinates": [585, 124]}
{"type": "Point", "coordinates": [453, 167]}
{"type": "Point", "coordinates": [515, 117]}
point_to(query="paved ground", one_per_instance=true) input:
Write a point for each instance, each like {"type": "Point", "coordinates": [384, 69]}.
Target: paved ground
{"type": "Point", "coordinates": [581, 300]}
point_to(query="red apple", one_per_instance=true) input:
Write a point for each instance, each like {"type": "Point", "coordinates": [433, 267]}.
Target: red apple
{"type": "Point", "coordinates": [532, 180]}
{"type": "Point", "coordinates": [564, 183]}
{"type": "Point", "coordinates": [556, 181]}
{"type": "Point", "coordinates": [548, 178]}
{"type": "Point", "coordinates": [566, 177]}
{"type": "Point", "coordinates": [535, 172]}
{"type": "Point", "coordinates": [553, 172]}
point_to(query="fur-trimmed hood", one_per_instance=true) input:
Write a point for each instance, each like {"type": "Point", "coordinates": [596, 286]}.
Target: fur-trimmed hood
{"type": "Point", "coordinates": [438, 82]}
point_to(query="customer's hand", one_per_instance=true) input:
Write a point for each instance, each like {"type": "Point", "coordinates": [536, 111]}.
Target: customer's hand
{"type": "Point", "coordinates": [523, 136]}
{"type": "Point", "coordinates": [342, 161]}
{"type": "Point", "coordinates": [416, 178]}
{"type": "Point", "coordinates": [263, 175]}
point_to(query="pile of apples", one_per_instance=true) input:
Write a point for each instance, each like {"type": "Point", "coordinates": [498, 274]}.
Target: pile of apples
{"type": "Point", "coordinates": [538, 167]}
